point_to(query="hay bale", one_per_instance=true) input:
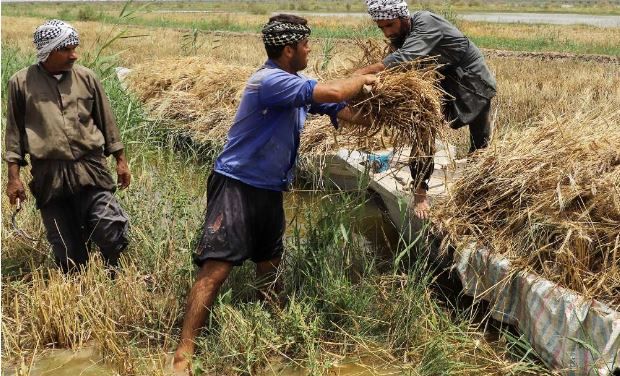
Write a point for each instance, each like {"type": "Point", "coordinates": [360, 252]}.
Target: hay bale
{"type": "Point", "coordinates": [196, 95]}
{"type": "Point", "coordinates": [547, 198]}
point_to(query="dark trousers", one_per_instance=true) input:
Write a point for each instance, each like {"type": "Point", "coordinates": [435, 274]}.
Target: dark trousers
{"type": "Point", "coordinates": [91, 216]}
{"type": "Point", "coordinates": [479, 129]}
{"type": "Point", "coordinates": [422, 164]}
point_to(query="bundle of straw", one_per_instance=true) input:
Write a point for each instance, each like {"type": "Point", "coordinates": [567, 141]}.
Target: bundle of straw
{"type": "Point", "coordinates": [548, 198]}
{"type": "Point", "coordinates": [406, 105]}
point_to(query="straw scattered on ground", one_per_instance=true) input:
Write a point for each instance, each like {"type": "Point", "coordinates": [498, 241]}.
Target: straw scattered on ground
{"type": "Point", "coordinates": [548, 198]}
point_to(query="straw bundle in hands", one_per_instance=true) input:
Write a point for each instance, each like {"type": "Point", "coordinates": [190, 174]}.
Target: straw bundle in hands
{"type": "Point", "coordinates": [548, 198]}
{"type": "Point", "coordinates": [406, 105]}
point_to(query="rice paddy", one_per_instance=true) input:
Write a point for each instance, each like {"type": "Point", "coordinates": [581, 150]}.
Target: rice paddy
{"type": "Point", "coordinates": [347, 302]}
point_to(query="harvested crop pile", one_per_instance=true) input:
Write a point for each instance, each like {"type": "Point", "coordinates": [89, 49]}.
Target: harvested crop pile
{"type": "Point", "coordinates": [548, 198]}
{"type": "Point", "coordinates": [196, 94]}
{"type": "Point", "coordinates": [200, 96]}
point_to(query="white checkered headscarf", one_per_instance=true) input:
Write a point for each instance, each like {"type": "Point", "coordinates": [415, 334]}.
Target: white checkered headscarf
{"type": "Point", "coordinates": [277, 33]}
{"type": "Point", "coordinates": [54, 35]}
{"type": "Point", "coordinates": [387, 9]}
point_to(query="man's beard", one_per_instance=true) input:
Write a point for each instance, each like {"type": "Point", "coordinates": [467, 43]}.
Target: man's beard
{"type": "Point", "coordinates": [398, 42]}
{"type": "Point", "coordinates": [298, 63]}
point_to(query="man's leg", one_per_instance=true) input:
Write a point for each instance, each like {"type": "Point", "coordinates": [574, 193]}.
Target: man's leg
{"type": "Point", "coordinates": [266, 279]}
{"type": "Point", "coordinates": [208, 282]}
{"type": "Point", "coordinates": [64, 234]}
{"type": "Point", "coordinates": [107, 223]}
{"type": "Point", "coordinates": [421, 166]}
{"type": "Point", "coordinates": [480, 130]}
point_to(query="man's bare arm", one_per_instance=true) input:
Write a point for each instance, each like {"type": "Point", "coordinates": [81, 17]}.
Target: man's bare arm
{"type": "Point", "coordinates": [14, 186]}
{"type": "Point", "coordinates": [122, 169]}
{"type": "Point", "coordinates": [340, 90]}
{"type": "Point", "coordinates": [370, 69]}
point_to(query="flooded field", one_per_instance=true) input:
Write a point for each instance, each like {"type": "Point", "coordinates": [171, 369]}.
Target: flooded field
{"type": "Point", "coordinates": [544, 18]}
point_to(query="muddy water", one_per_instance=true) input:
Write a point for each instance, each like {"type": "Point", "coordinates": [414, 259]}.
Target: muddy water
{"type": "Point", "coordinates": [87, 362]}
{"type": "Point", "coordinates": [371, 222]}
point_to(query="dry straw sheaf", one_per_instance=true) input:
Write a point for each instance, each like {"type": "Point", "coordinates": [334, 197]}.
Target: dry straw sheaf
{"type": "Point", "coordinates": [548, 198]}
{"type": "Point", "coordinates": [51, 309]}
{"type": "Point", "coordinates": [406, 104]}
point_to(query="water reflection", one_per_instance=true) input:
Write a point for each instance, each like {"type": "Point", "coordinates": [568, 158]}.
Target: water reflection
{"type": "Point", "coordinates": [87, 362]}
{"type": "Point", "coordinates": [371, 222]}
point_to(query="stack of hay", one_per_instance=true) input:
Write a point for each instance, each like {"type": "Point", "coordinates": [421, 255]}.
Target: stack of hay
{"type": "Point", "coordinates": [548, 198]}
{"type": "Point", "coordinates": [196, 94]}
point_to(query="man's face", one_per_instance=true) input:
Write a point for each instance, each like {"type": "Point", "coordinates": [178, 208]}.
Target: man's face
{"type": "Point", "coordinates": [61, 60]}
{"type": "Point", "coordinates": [299, 60]}
{"type": "Point", "coordinates": [395, 30]}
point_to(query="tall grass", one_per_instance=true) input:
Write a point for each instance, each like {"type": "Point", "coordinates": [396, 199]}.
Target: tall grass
{"type": "Point", "coordinates": [343, 301]}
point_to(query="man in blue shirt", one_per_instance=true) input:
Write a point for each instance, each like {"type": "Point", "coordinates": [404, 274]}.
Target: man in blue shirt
{"type": "Point", "coordinates": [245, 213]}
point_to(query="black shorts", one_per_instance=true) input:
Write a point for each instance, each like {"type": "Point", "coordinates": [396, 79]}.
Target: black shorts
{"type": "Point", "coordinates": [242, 222]}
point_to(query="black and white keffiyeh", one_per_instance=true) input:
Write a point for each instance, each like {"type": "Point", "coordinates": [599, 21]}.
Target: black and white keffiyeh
{"type": "Point", "coordinates": [54, 35]}
{"type": "Point", "coordinates": [278, 33]}
{"type": "Point", "coordinates": [387, 9]}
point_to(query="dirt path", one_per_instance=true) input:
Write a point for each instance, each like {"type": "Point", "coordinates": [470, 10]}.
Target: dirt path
{"type": "Point", "coordinates": [605, 59]}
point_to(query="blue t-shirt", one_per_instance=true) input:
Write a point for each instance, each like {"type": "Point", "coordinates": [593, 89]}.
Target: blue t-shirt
{"type": "Point", "coordinates": [262, 145]}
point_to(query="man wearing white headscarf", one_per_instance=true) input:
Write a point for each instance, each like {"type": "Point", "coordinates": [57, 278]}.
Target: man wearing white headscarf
{"type": "Point", "coordinates": [468, 80]}
{"type": "Point", "coordinates": [59, 115]}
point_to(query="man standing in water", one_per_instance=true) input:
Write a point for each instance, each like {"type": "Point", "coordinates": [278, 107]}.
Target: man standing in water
{"type": "Point", "coordinates": [468, 81]}
{"type": "Point", "coordinates": [59, 113]}
{"type": "Point", "coordinates": [245, 214]}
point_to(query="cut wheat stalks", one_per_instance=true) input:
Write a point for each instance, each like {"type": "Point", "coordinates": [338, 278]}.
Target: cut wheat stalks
{"type": "Point", "coordinates": [548, 198]}
{"type": "Point", "coordinates": [405, 104]}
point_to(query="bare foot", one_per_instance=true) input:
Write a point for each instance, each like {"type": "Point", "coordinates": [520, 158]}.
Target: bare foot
{"type": "Point", "coordinates": [420, 204]}
{"type": "Point", "coordinates": [180, 362]}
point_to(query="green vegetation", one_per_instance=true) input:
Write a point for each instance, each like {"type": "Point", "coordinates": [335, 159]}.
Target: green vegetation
{"type": "Point", "coordinates": [544, 44]}
{"type": "Point", "coordinates": [602, 7]}
{"type": "Point", "coordinates": [343, 300]}
{"type": "Point", "coordinates": [247, 17]}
